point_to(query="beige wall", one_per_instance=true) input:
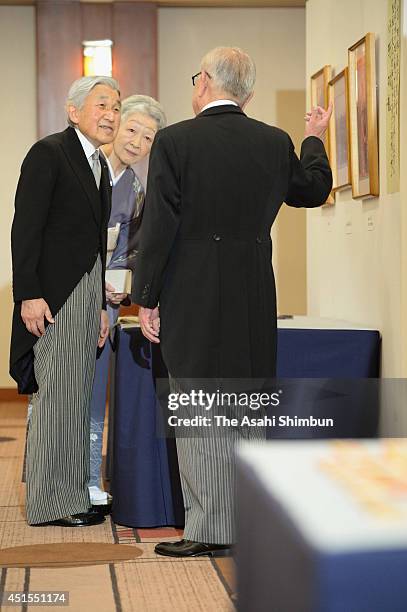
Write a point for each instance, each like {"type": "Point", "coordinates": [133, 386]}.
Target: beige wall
{"type": "Point", "coordinates": [354, 273]}
{"type": "Point", "coordinates": [17, 69]}
{"type": "Point", "coordinates": [403, 185]}
{"type": "Point", "coordinates": [289, 229]}
{"type": "Point", "coordinates": [275, 38]}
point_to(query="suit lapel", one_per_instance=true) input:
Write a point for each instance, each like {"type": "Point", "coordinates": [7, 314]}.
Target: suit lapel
{"type": "Point", "coordinates": [80, 165]}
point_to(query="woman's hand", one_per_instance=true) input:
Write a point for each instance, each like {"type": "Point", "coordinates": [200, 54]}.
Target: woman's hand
{"type": "Point", "coordinates": [112, 296]}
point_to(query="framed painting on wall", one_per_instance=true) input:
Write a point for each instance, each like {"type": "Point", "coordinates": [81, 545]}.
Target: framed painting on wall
{"type": "Point", "coordinates": [319, 97]}
{"type": "Point", "coordinates": [363, 118]}
{"type": "Point", "coordinates": [339, 136]}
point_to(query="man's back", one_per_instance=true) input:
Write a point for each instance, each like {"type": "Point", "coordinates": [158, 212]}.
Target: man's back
{"type": "Point", "coordinates": [215, 186]}
{"type": "Point", "coordinates": [233, 170]}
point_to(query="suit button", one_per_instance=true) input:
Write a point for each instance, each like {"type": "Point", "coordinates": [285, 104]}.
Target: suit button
{"type": "Point", "coordinates": [216, 237]}
{"type": "Point", "coordinates": [258, 240]}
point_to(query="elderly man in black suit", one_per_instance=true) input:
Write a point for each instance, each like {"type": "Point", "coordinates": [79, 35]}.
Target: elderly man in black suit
{"type": "Point", "coordinates": [59, 236]}
{"type": "Point", "coordinates": [215, 186]}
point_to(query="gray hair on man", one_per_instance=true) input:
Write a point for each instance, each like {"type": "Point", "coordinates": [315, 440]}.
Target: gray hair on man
{"type": "Point", "coordinates": [81, 88]}
{"type": "Point", "coordinates": [145, 105]}
{"type": "Point", "coordinates": [232, 70]}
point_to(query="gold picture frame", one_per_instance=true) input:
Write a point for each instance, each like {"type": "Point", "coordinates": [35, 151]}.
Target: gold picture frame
{"type": "Point", "coordinates": [339, 132]}
{"type": "Point", "coordinates": [319, 97]}
{"type": "Point", "coordinates": [363, 118]}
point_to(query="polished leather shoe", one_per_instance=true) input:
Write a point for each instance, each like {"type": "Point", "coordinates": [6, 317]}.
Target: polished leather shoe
{"type": "Point", "coordinates": [102, 509]}
{"type": "Point", "coordinates": [188, 548]}
{"type": "Point", "coordinates": [84, 519]}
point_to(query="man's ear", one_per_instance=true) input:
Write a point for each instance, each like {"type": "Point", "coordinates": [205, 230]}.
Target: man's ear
{"type": "Point", "coordinates": [203, 83]}
{"type": "Point", "coordinates": [246, 102]}
{"type": "Point", "coordinates": [72, 113]}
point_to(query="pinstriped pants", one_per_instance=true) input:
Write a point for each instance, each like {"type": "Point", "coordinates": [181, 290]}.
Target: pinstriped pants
{"type": "Point", "coordinates": [208, 473]}
{"type": "Point", "coordinates": [58, 433]}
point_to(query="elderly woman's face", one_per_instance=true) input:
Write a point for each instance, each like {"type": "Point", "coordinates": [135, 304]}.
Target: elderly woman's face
{"type": "Point", "coordinates": [134, 138]}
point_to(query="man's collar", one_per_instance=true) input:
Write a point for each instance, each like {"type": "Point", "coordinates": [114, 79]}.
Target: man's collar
{"type": "Point", "coordinates": [222, 109]}
{"type": "Point", "coordinates": [87, 146]}
{"type": "Point", "coordinates": [219, 103]}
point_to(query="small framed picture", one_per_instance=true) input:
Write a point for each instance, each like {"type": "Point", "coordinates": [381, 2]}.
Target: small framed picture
{"type": "Point", "coordinates": [319, 97]}
{"type": "Point", "coordinates": [363, 118]}
{"type": "Point", "coordinates": [339, 135]}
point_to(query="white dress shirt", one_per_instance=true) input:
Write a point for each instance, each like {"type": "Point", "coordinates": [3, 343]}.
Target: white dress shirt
{"type": "Point", "coordinates": [219, 103]}
{"type": "Point", "coordinates": [87, 146]}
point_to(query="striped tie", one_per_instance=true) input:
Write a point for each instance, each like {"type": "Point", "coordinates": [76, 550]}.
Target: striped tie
{"type": "Point", "coordinates": [96, 169]}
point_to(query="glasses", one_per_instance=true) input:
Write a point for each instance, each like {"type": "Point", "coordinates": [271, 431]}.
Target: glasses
{"type": "Point", "coordinates": [197, 75]}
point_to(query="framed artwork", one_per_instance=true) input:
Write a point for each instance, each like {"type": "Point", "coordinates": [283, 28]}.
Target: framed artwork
{"type": "Point", "coordinates": [319, 97]}
{"type": "Point", "coordinates": [363, 118]}
{"type": "Point", "coordinates": [339, 132]}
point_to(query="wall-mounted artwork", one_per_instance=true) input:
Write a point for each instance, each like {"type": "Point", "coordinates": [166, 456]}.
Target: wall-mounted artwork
{"type": "Point", "coordinates": [319, 97]}
{"type": "Point", "coordinates": [363, 118]}
{"type": "Point", "coordinates": [339, 137]}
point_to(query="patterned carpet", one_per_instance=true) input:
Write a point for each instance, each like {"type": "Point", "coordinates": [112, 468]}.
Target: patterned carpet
{"type": "Point", "coordinates": [102, 576]}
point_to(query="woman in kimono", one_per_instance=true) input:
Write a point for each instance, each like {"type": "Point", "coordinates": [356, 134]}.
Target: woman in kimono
{"type": "Point", "coordinates": [141, 118]}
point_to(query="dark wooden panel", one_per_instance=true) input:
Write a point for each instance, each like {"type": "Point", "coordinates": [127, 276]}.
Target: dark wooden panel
{"type": "Point", "coordinates": [135, 48]}
{"type": "Point", "coordinates": [59, 57]}
{"type": "Point", "coordinates": [11, 395]}
{"type": "Point", "coordinates": [96, 21]}
{"type": "Point", "coordinates": [61, 28]}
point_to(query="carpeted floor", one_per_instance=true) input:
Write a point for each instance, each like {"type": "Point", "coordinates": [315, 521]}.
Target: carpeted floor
{"type": "Point", "coordinates": [107, 567]}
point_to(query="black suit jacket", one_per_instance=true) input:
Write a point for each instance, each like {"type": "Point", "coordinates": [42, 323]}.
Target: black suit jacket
{"type": "Point", "coordinates": [215, 186]}
{"type": "Point", "coordinates": [59, 228]}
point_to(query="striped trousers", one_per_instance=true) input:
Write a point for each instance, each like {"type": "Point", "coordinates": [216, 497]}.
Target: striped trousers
{"type": "Point", "coordinates": [58, 432]}
{"type": "Point", "coordinates": [208, 474]}
{"type": "Point", "coordinates": [98, 404]}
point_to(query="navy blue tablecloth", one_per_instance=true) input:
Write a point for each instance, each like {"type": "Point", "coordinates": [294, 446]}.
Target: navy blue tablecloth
{"type": "Point", "coordinates": [329, 373]}
{"type": "Point", "coordinates": [328, 353]}
{"type": "Point", "coordinates": [144, 468]}
{"type": "Point", "coordinates": [144, 474]}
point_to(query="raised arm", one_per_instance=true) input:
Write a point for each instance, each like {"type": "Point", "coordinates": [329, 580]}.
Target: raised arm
{"type": "Point", "coordinates": [310, 178]}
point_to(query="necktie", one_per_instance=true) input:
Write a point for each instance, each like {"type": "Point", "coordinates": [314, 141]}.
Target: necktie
{"type": "Point", "coordinates": [96, 169]}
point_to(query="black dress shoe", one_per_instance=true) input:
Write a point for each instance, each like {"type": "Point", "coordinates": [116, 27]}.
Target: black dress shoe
{"type": "Point", "coordinates": [84, 519]}
{"type": "Point", "coordinates": [188, 548]}
{"type": "Point", "coordinates": [102, 509]}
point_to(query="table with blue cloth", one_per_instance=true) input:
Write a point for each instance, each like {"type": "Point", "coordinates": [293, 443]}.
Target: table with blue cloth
{"type": "Point", "coordinates": [327, 526]}
{"type": "Point", "coordinates": [328, 369]}
{"type": "Point", "coordinates": [143, 466]}
{"type": "Point", "coordinates": [144, 469]}
{"type": "Point", "coordinates": [313, 347]}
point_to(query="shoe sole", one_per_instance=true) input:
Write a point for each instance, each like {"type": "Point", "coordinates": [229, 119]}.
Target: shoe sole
{"type": "Point", "coordinates": [52, 524]}
{"type": "Point", "coordinates": [211, 553]}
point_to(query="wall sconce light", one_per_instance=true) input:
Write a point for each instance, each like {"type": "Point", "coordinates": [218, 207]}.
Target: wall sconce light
{"type": "Point", "coordinates": [97, 57]}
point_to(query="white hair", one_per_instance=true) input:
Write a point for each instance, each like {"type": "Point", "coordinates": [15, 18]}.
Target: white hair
{"type": "Point", "coordinates": [145, 105]}
{"type": "Point", "coordinates": [232, 70]}
{"type": "Point", "coordinates": [81, 88]}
